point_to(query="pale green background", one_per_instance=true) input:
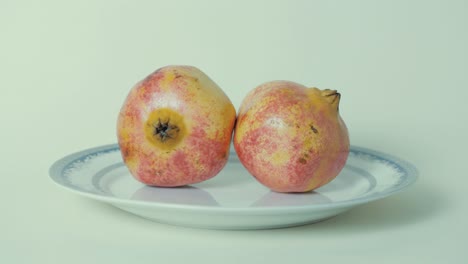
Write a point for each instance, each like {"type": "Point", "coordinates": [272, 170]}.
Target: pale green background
{"type": "Point", "coordinates": [401, 66]}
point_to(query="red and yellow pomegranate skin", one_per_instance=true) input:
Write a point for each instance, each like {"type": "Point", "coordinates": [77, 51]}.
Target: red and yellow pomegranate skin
{"type": "Point", "coordinates": [291, 138]}
{"type": "Point", "coordinates": [175, 127]}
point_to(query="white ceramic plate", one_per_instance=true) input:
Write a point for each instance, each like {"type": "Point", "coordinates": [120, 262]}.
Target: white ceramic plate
{"type": "Point", "coordinates": [233, 199]}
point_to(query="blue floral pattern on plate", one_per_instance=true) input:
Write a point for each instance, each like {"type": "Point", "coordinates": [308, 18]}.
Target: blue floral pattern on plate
{"type": "Point", "coordinates": [100, 174]}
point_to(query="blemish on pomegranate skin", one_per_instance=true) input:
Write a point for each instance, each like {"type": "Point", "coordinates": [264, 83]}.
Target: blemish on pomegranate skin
{"type": "Point", "coordinates": [302, 160]}
{"type": "Point", "coordinates": [314, 129]}
{"type": "Point", "coordinates": [177, 75]}
{"type": "Point", "coordinates": [126, 153]}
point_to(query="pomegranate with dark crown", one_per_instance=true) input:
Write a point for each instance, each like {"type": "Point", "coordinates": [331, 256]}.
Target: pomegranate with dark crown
{"type": "Point", "coordinates": [175, 127]}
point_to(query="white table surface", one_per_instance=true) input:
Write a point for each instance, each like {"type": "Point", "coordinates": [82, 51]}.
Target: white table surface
{"type": "Point", "coordinates": [401, 67]}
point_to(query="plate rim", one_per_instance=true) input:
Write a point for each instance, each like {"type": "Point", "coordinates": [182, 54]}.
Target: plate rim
{"type": "Point", "coordinates": [410, 177]}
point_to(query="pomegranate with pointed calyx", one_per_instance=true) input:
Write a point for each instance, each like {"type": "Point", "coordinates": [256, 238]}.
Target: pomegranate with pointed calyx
{"type": "Point", "coordinates": [291, 138]}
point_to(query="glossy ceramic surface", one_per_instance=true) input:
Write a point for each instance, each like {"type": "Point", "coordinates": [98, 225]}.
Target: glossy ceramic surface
{"type": "Point", "coordinates": [233, 199]}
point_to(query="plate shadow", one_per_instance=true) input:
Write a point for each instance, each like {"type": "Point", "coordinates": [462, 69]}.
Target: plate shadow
{"type": "Point", "coordinates": [411, 207]}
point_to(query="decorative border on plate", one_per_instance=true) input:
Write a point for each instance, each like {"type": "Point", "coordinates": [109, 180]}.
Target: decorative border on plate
{"type": "Point", "coordinates": [75, 161]}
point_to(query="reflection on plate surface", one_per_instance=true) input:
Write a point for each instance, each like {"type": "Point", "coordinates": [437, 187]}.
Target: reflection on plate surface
{"type": "Point", "coordinates": [99, 173]}
{"type": "Point", "coordinates": [187, 195]}
{"type": "Point", "coordinates": [291, 199]}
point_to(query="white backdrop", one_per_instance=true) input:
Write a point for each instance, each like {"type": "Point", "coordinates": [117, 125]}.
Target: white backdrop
{"type": "Point", "coordinates": [401, 67]}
